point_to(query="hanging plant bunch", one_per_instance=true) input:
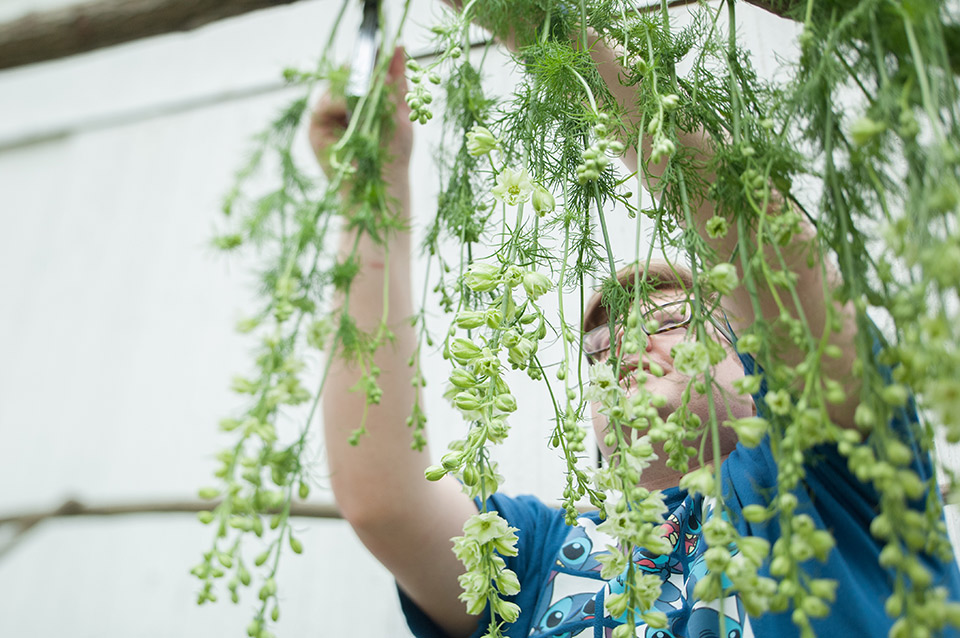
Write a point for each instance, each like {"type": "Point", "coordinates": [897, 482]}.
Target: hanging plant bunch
{"type": "Point", "coordinates": [868, 123]}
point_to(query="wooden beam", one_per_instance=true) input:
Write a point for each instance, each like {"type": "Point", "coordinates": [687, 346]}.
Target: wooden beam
{"type": "Point", "coordinates": [58, 33]}
{"type": "Point", "coordinates": [25, 522]}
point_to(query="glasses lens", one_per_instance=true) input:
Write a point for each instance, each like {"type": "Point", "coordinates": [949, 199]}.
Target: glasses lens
{"type": "Point", "coordinates": [596, 342]}
{"type": "Point", "coordinates": [669, 316]}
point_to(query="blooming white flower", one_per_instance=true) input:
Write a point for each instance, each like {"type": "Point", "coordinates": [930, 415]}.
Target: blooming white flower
{"type": "Point", "coordinates": [513, 186]}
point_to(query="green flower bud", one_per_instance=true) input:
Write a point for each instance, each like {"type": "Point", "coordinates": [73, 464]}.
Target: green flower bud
{"type": "Point", "coordinates": [893, 606]}
{"type": "Point", "coordinates": [748, 344]}
{"type": "Point", "coordinates": [464, 351]}
{"type": "Point", "coordinates": [699, 481]}
{"type": "Point", "coordinates": [535, 284]}
{"type": "Point", "coordinates": [824, 589]}
{"type": "Point", "coordinates": [469, 319]}
{"type": "Point", "coordinates": [749, 384]}
{"type": "Point", "coordinates": [296, 546]}
{"type": "Point", "coordinates": [780, 566]}
{"type": "Point", "coordinates": [814, 607]}
{"type": "Point", "coordinates": [463, 378]}
{"type": "Point", "coordinates": [542, 200]}
{"type": "Point", "coordinates": [261, 558]}
{"type": "Point", "coordinates": [493, 319]}
{"type": "Point", "coordinates": [269, 589]}
{"type": "Point", "coordinates": [505, 402]}
{"type": "Point", "coordinates": [208, 493]}
{"type": "Point", "coordinates": [834, 392]}
{"type": "Point", "coordinates": [205, 517]}
{"type": "Point", "coordinates": [750, 430]}
{"type": "Point", "coordinates": [434, 473]}
{"type": "Point", "coordinates": [655, 619]}
{"type": "Point", "coordinates": [670, 101]}
{"type": "Point", "coordinates": [755, 513]}
{"type": "Point", "coordinates": [864, 417]}
{"type": "Point", "coordinates": [898, 453]}
{"type": "Point", "coordinates": [717, 558]}
{"type": "Point", "coordinates": [275, 613]}
{"type": "Point", "coordinates": [723, 278]}
{"type": "Point", "coordinates": [832, 351]}
{"type": "Point", "coordinates": [690, 358]}
{"type": "Point", "coordinates": [466, 401]}
{"type": "Point", "coordinates": [471, 476]}
{"type": "Point", "coordinates": [864, 130]}
{"type": "Point", "coordinates": [303, 490]}
{"type": "Point", "coordinates": [482, 277]}
{"type": "Point", "coordinates": [451, 461]}
{"type": "Point", "coordinates": [895, 395]}
{"type": "Point", "coordinates": [480, 141]}
{"type": "Point", "coordinates": [778, 401]}
{"type": "Point", "coordinates": [717, 227]}
{"type": "Point", "coordinates": [616, 604]}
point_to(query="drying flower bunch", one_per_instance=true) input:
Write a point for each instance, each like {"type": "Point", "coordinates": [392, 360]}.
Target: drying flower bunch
{"type": "Point", "coordinates": [873, 98]}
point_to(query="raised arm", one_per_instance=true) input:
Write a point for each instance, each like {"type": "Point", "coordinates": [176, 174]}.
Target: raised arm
{"type": "Point", "coordinates": [810, 284]}
{"type": "Point", "coordinates": [404, 520]}
{"type": "Point", "coordinates": [813, 281]}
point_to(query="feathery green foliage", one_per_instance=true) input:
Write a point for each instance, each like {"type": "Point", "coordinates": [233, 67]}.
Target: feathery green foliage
{"type": "Point", "coordinates": [868, 123]}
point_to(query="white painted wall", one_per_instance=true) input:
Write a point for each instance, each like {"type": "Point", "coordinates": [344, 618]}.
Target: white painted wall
{"type": "Point", "coordinates": [116, 329]}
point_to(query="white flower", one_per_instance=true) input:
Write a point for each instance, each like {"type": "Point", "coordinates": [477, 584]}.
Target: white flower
{"type": "Point", "coordinates": [513, 186]}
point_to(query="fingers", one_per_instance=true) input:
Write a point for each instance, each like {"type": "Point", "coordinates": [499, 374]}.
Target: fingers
{"type": "Point", "coordinates": [330, 119]}
{"type": "Point", "coordinates": [327, 123]}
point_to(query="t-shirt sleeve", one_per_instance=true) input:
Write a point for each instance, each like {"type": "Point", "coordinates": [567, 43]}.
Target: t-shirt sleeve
{"type": "Point", "coordinates": [540, 530]}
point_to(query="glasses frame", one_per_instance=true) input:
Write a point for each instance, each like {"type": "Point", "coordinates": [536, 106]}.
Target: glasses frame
{"type": "Point", "coordinates": [594, 356]}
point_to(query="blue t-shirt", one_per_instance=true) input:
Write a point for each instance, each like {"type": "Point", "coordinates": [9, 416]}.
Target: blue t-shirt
{"type": "Point", "coordinates": [562, 594]}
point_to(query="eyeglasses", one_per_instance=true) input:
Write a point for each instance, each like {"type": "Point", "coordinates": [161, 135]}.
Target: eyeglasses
{"type": "Point", "coordinates": [669, 316]}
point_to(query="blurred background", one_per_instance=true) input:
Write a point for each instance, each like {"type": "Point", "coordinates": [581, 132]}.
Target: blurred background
{"type": "Point", "coordinates": [116, 317]}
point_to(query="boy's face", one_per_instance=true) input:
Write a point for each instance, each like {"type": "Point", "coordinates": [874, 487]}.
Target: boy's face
{"type": "Point", "coordinates": [727, 403]}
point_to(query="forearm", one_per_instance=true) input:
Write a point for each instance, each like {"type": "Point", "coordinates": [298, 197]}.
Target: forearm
{"type": "Point", "coordinates": [383, 455]}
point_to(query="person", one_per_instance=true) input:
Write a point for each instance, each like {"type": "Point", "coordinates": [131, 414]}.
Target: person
{"type": "Point", "coordinates": [407, 522]}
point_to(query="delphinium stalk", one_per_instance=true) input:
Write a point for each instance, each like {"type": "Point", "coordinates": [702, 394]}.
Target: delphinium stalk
{"type": "Point", "coordinates": [290, 225]}
{"type": "Point", "coordinates": [888, 56]}
{"type": "Point", "coordinates": [558, 133]}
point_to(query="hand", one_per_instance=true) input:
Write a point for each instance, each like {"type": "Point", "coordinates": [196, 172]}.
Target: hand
{"type": "Point", "coordinates": [329, 121]}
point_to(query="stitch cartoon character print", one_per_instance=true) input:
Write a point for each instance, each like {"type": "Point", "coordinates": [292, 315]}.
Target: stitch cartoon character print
{"type": "Point", "coordinates": [571, 602]}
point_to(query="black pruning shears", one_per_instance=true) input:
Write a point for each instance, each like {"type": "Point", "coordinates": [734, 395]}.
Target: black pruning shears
{"type": "Point", "coordinates": [364, 55]}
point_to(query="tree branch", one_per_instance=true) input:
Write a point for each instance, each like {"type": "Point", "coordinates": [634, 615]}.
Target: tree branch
{"type": "Point", "coordinates": [49, 35]}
